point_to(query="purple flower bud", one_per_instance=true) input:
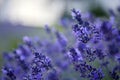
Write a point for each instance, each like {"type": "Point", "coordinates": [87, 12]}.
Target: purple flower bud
{"type": "Point", "coordinates": [47, 28]}
{"type": "Point", "coordinates": [27, 41]}
{"type": "Point", "coordinates": [9, 73]}
{"type": "Point", "coordinates": [77, 16]}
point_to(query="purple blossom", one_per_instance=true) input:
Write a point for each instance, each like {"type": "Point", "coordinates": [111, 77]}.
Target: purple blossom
{"type": "Point", "coordinates": [92, 54]}
{"type": "Point", "coordinates": [115, 73]}
{"type": "Point", "coordinates": [9, 73]}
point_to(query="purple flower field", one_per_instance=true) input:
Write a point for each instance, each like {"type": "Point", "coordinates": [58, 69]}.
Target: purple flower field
{"type": "Point", "coordinates": [86, 48]}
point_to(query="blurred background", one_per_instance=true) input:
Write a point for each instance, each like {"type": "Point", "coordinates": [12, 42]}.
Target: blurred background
{"type": "Point", "coordinates": [19, 18]}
